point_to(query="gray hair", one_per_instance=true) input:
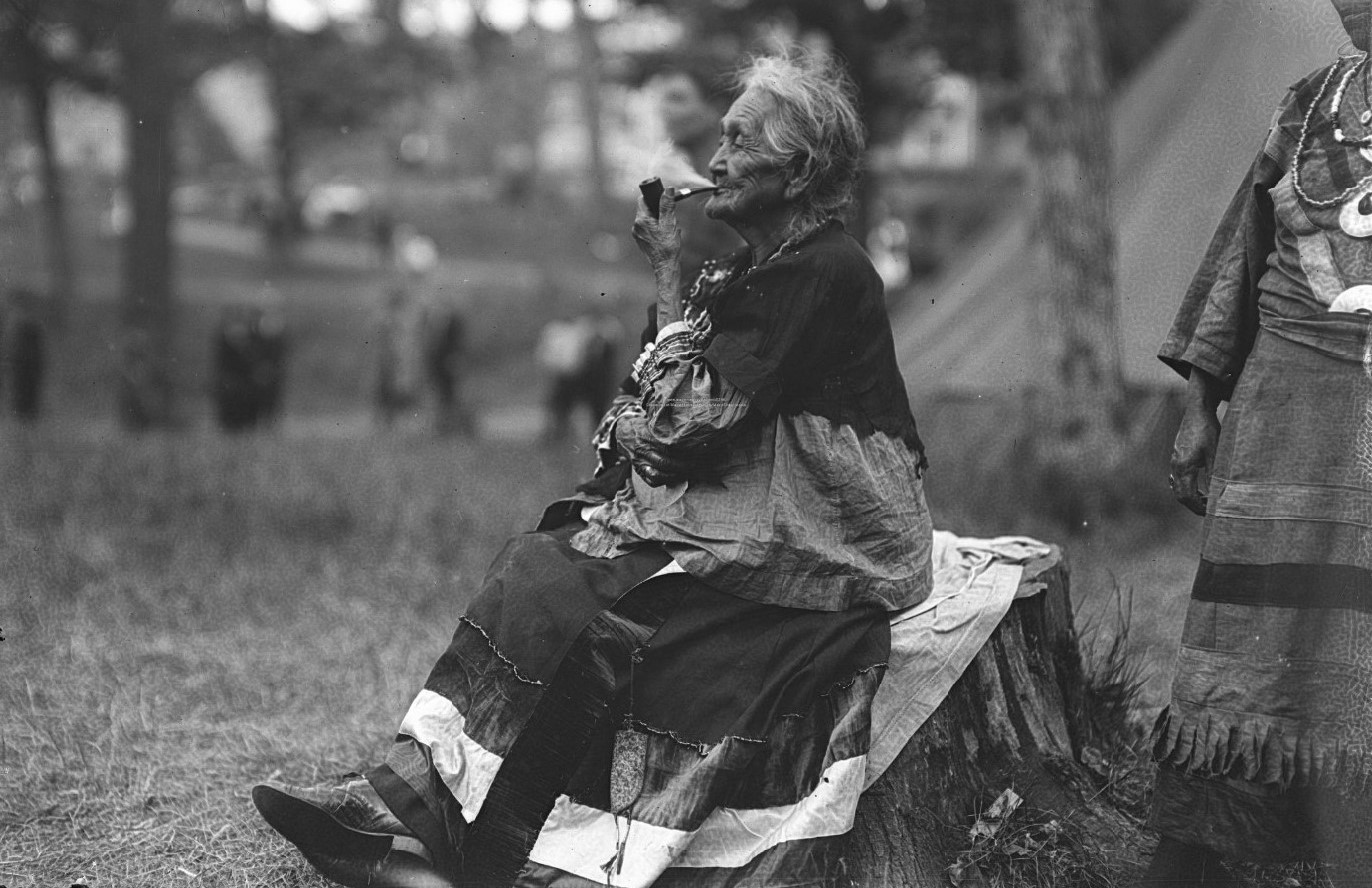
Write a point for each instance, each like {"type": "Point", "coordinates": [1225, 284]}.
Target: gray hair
{"type": "Point", "coordinates": [816, 130]}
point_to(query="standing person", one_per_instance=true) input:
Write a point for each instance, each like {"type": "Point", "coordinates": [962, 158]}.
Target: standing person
{"type": "Point", "coordinates": [561, 353]}
{"type": "Point", "coordinates": [1266, 748]}
{"type": "Point", "coordinates": [445, 357]}
{"type": "Point", "coordinates": [674, 684]}
{"type": "Point", "coordinates": [24, 355]}
{"type": "Point", "coordinates": [234, 368]}
{"type": "Point", "coordinates": [399, 340]}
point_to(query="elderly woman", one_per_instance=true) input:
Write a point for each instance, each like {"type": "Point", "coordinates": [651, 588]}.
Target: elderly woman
{"type": "Point", "coordinates": [672, 680]}
{"type": "Point", "coordinates": [1266, 748]}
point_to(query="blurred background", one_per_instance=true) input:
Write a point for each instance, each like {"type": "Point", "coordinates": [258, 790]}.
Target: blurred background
{"type": "Point", "coordinates": [305, 305]}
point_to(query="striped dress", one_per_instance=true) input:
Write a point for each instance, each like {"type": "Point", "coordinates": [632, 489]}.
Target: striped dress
{"type": "Point", "coordinates": [1267, 743]}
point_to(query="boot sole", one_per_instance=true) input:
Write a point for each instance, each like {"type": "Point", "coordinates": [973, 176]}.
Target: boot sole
{"type": "Point", "coordinates": [398, 870]}
{"type": "Point", "coordinates": [312, 829]}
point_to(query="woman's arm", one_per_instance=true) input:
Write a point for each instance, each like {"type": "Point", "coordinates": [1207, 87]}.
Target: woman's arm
{"type": "Point", "coordinates": [687, 411]}
{"type": "Point", "coordinates": [1193, 453]}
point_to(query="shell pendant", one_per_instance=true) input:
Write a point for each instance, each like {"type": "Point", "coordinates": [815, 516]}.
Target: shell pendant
{"type": "Point", "coordinates": [1355, 217]}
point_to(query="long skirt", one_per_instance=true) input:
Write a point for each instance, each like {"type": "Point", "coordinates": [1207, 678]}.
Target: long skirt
{"type": "Point", "coordinates": [1266, 747]}
{"type": "Point", "coordinates": [615, 722]}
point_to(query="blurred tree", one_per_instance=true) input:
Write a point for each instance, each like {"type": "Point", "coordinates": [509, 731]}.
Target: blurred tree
{"type": "Point", "coordinates": [339, 79]}
{"type": "Point", "coordinates": [36, 51]}
{"type": "Point", "coordinates": [1075, 438]}
{"type": "Point", "coordinates": [144, 52]}
{"type": "Point", "coordinates": [590, 72]}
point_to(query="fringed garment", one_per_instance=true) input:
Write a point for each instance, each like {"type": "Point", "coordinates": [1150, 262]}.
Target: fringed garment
{"type": "Point", "coordinates": [1266, 746]}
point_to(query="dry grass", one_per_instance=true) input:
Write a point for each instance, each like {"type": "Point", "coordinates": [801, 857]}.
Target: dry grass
{"type": "Point", "coordinates": [187, 615]}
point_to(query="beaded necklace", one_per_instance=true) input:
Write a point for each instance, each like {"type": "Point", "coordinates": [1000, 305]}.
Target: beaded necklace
{"type": "Point", "coordinates": [1336, 105]}
{"type": "Point", "coordinates": [1303, 142]}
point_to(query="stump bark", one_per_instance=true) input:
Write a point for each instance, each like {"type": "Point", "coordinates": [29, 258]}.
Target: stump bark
{"type": "Point", "coordinates": [1017, 718]}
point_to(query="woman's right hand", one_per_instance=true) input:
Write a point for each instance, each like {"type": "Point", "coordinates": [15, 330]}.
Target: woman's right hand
{"type": "Point", "coordinates": [659, 238]}
{"type": "Point", "coordinates": [1193, 452]}
{"type": "Point", "coordinates": [654, 466]}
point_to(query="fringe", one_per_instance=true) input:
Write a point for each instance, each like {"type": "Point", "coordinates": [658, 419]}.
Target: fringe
{"type": "Point", "coordinates": [1262, 749]}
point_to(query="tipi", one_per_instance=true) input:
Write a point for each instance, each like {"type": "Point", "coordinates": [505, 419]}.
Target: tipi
{"type": "Point", "coordinates": [1185, 131]}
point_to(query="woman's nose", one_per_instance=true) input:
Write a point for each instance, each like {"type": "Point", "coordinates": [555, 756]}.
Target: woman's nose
{"type": "Point", "coordinates": [717, 166]}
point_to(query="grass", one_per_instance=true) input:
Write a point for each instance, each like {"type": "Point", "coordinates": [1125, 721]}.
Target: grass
{"type": "Point", "coordinates": [186, 615]}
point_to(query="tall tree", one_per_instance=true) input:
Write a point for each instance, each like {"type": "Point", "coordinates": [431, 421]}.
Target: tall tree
{"type": "Point", "coordinates": [1068, 127]}
{"type": "Point", "coordinates": [589, 72]}
{"type": "Point", "coordinates": [26, 61]}
{"type": "Point", "coordinates": [147, 90]}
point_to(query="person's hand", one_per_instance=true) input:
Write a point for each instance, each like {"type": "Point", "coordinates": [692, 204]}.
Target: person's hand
{"type": "Point", "coordinates": [654, 466]}
{"type": "Point", "coordinates": [659, 239]}
{"type": "Point", "coordinates": [1193, 456]}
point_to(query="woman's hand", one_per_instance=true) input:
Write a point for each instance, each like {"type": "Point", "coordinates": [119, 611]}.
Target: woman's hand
{"type": "Point", "coordinates": [1193, 452]}
{"type": "Point", "coordinates": [659, 239]}
{"type": "Point", "coordinates": [654, 466]}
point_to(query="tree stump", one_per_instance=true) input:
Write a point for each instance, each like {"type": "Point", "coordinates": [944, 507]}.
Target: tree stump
{"type": "Point", "coordinates": [1017, 718]}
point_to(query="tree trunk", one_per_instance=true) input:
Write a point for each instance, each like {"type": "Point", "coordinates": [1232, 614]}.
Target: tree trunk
{"type": "Point", "coordinates": [148, 307]}
{"type": "Point", "coordinates": [38, 98]}
{"type": "Point", "coordinates": [589, 72]}
{"type": "Point", "coordinates": [1018, 717]}
{"type": "Point", "coordinates": [1068, 129]}
{"type": "Point", "coordinates": [281, 217]}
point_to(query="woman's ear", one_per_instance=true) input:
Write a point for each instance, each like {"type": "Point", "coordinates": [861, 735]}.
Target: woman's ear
{"type": "Point", "coordinates": [798, 176]}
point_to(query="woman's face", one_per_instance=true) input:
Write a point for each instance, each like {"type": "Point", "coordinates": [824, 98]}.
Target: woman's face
{"type": "Point", "coordinates": [1355, 19]}
{"type": "Point", "coordinates": [753, 185]}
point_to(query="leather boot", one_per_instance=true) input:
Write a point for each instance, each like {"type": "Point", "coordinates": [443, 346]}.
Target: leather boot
{"type": "Point", "coordinates": [346, 819]}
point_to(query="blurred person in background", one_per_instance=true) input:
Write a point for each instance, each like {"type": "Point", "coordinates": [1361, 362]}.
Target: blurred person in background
{"type": "Point", "coordinates": [400, 336]}
{"type": "Point", "coordinates": [702, 643]}
{"type": "Point", "coordinates": [1265, 750]}
{"type": "Point", "coordinates": [564, 345]}
{"type": "Point", "coordinates": [445, 361]}
{"type": "Point", "coordinates": [23, 354]}
{"type": "Point", "coordinates": [403, 335]}
{"type": "Point", "coordinates": [249, 367]}
{"type": "Point", "coordinates": [580, 356]}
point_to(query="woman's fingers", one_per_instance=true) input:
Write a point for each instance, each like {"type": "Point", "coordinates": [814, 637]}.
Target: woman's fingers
{"type": "Point", "coordinates": [1188, 488]}
{"type": "Point", "coordinates": [657, 468]}
{"type": "Point", "coordinates": [1193, 453]}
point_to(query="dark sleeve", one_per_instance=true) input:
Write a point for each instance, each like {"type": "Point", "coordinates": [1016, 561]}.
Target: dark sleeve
{"type": "Point", "coordinates": [762, 324]}
{"type": "Point", "coordinates": [1218, 320]}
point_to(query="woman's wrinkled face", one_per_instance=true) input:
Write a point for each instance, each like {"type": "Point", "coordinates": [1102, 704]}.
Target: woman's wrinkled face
{"type": "Point", "coordinates": [1355, 16]}
{"type": "Point", "coordinates": [753, 183]}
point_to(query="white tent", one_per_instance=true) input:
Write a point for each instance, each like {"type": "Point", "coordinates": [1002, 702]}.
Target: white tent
{"type": "Point", "coordinates": [1185, 132]}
